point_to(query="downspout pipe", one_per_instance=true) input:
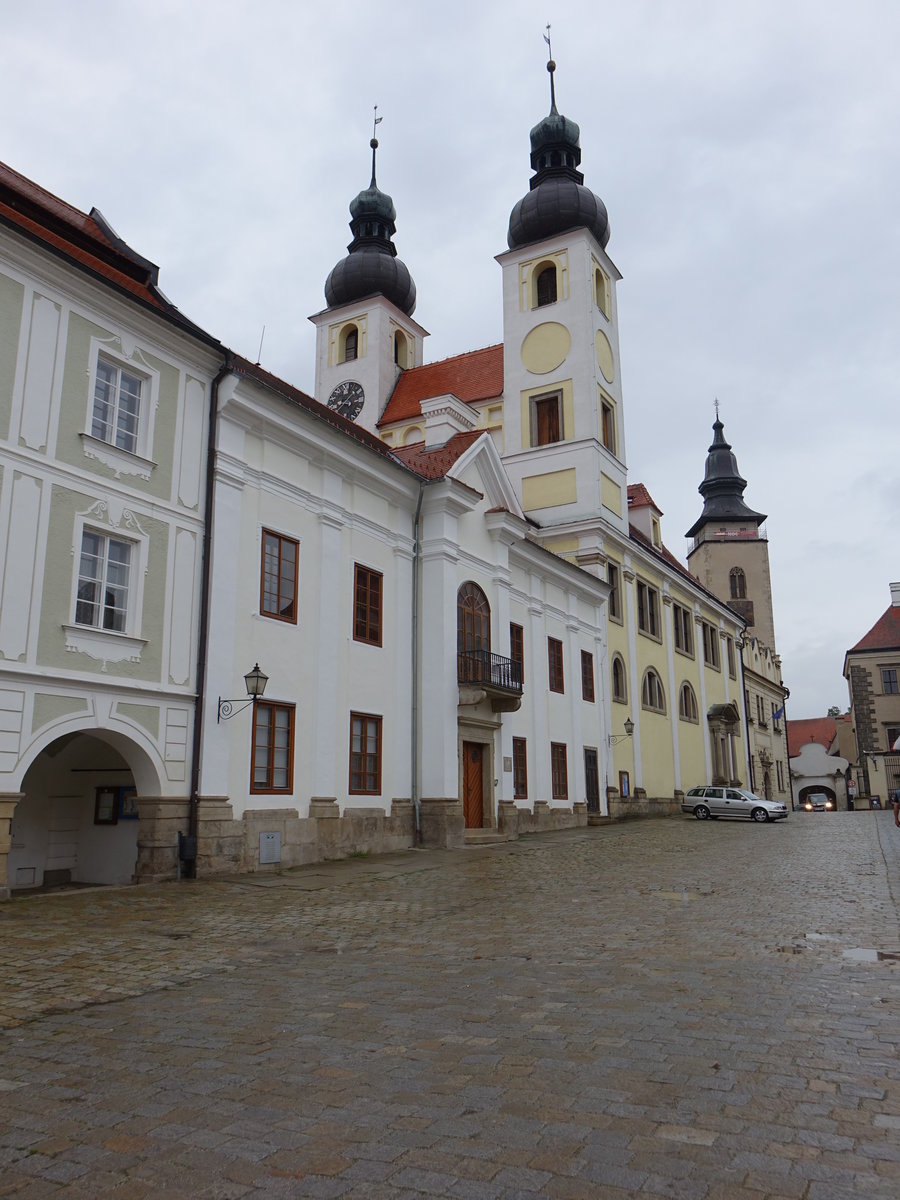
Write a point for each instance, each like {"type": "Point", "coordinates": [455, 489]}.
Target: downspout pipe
{"type": "Point", "coordinates": [414, 713]}
{"type": "Point", "coordinates": [205, 599]}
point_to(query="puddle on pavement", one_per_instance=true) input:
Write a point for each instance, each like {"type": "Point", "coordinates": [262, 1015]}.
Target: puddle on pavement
{"type": "Point", "coordinates": [861, 954]}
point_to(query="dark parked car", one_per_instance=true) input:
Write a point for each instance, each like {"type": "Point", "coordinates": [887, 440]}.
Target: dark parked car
{"type": "Point", "coordinates": [817, 802]}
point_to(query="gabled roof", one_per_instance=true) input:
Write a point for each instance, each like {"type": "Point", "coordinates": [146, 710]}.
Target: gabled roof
{"type": "Point", "coordinates": [87, 241]}
{"type": "Point", "coordinates": [639, 497]}
{"type": "Point", "coordinates": [436, 462]}
{"type": "Point", "coordinates": [821, 730]}
{"type": "Point", "coordinates": [477, 375]}
{"type": "Point", "coordinates": [884, 634]}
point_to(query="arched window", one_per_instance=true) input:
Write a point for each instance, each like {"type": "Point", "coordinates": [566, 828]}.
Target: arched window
{"type": "Point", "coordinates": [619, 684]}
{"type": "Point", "coordinates": [545, 287]}
{"type": "Point", "coordinates": [738, 584]}
{"type": "Point", "coordinates": [652, 694]}
{"type": "Point", "coordinates": [687, 703]}
{"type": "Point", "coordinates": [473, 634]}
{"type": "Point", "coordinates": [351, 344]}
{"type": "Point", "coordinates": [401, 350]}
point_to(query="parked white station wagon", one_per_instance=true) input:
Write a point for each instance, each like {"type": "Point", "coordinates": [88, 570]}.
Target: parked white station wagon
{"type": "Point", "coordinates": [714, 802]}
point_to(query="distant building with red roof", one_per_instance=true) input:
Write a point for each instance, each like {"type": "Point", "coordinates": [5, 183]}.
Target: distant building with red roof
{"type": "Point", "coordinates": [872, 671]}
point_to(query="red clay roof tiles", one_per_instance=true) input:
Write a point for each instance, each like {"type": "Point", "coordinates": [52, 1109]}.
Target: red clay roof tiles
{"type": "Point", "coordinates": [884, 634]}
{"type": "Point", "coordinates": [477, 375]}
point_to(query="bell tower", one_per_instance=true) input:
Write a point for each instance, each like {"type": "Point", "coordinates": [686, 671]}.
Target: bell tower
{"type": "Point", "coordinates": [366, 336]}
{"type": "Point", "coordinates": [729, 554]}
{"type": "Point", "coordinates": [564, 430]}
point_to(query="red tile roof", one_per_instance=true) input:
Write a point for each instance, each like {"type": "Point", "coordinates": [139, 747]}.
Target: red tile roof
{"type": "Point", "coordinates": [821, 730]}
{"type": "Point", "coordinates": [434, 464]}
{"type": "Point", "coordinates": [884, 634]}
{"type": "Point", "coordinates": [639, 497]}
{"type": "Point", "coordinates": [477, 375]}
{"type": "Point", "coordinates": [86, 240]}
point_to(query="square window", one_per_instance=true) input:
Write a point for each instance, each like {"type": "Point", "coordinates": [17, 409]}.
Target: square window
{"type": "Point", "coordinates": [367, 586]}
{"type": "Point", "coordinates": [104, 572]}
{"type": "Point", "coordinates": [555, 662]}
{"type": "Point", "coordinates": [278, 577]}
{"type": "Point", "coordinates": [559, 771]}
{"type": "Point", "coordinates": [365, 754]}
{"type": "Point", "coordinates": [116, 413]}
{"type": "Point", "coordinates": [520, 769]}
{"type": "Point", "coordinates": [546, 420]}
{"type": "Point", "coordinates": [587, 676]}
{"type": "Point", "coordinates": [272, 765]}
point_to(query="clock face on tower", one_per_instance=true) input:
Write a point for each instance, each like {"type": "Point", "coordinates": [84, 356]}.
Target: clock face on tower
{"type": "Point", "coordinates": [347, 399]}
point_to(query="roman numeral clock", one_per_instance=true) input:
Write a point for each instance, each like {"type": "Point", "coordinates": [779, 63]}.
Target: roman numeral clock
{"type": "Point", "coordinates": [347, 399]}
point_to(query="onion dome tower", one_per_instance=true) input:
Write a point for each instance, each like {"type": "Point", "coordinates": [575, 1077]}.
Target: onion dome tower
{"type": "Point", "coordinates": [371, 266]}
{"type": "Point", "coordinates": [722, 489]}
{"type": "Point", "coordinates": [557, 200]}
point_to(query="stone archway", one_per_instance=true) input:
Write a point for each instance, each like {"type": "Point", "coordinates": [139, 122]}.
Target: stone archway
{"type": "Point", "coordinates": [84, 814]}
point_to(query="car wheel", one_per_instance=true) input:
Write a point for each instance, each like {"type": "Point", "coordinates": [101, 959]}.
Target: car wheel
{"type": "Point", "coordinates": [701, 812]}
{"type": "Point", "coordinates": [759, 814]}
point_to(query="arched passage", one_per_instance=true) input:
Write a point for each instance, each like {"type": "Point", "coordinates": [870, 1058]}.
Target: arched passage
{"type": "Point", "coordinates": [77, 821]}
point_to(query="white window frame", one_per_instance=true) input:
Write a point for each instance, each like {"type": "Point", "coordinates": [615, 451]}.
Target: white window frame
{"type": "Point", "coordinates": [110, 645]}
{"type": "Point", "coordinates": [120, 461]}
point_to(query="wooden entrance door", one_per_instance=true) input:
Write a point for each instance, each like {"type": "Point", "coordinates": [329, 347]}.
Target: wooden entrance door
{"type": "Point", "coordinates": [473, 795]}
{"type": "Point", "coordinates": [591, 780]}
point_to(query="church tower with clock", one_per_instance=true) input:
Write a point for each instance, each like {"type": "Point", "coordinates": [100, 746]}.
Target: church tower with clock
{"type": "Point", "coordinates": [366, 336]}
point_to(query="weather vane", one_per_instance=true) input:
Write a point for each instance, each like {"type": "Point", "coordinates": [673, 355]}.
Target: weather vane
{"type": "Point", "coordinates": [376, 121]}
{"type": "Point", "coordinates": [551, 67]}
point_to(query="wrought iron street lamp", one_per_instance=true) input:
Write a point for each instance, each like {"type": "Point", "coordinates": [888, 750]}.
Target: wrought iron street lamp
{"type": "Point", "coordinates": [615, 738]}
{"type": "Point", "coordinates": [255, 682]}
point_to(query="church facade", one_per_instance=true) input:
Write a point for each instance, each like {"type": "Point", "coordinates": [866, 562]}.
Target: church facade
{"type": "Point", "coordinates": [424, 607]}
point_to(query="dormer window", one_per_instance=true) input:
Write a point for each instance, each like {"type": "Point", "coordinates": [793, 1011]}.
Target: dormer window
{"type": "Point", "coordinates": [545, 287]}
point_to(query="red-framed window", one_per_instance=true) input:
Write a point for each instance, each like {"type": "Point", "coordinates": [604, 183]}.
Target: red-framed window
{"type": "Point", "coordinates": [520, 769]}
{"type": "Point", "coordinates": [559, 771]}
{"type": "Point", "coordinates": [517, 648]}
{"type": "Point", "coordinates": [272, 758]}
{"type": "Point", "coordinates": [555, 664]}
{"type": "Point", "coordinates": [367, 593]}
{"type": "Point", "coordinates": [365, 754]}
{"type": "Point", "coordinates": [587, 676]}
{"type": "Point", "coordinates": [278, 577]}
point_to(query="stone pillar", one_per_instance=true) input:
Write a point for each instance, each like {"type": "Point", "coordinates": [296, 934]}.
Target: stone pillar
{"type": "Point", "coordinates": [220, 839]}
{"type": "Point", "coordinates": [8, 802]}
{"type": "Point", "coordinates": [161, 818]}
{"type": "Point", "coordinates": [442, 823]}
{"type": "Point", "coordinates": [508, 820]}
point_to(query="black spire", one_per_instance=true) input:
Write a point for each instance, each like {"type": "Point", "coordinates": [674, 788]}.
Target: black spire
{"type": "Point", "coordinates": [557, 199]}
{"type": "Point", "coordinates": [722, 488]}
{"type": "Point", "coordinates": [372, 266]}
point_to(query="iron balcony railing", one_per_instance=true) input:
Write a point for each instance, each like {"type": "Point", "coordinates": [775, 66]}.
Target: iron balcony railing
{"type": "Point", "coordinates": [489, 670]}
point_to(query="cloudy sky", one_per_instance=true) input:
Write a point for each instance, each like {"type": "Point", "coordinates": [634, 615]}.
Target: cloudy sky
{"type": "Point", "coordinates": [747, 154]}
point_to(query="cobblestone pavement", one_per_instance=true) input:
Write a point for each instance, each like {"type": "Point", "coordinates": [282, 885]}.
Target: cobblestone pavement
{"type": "Point", "coordinates": [671, 1008]}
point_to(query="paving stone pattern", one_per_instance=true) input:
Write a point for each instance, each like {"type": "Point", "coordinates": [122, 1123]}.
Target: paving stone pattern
{"type": "Point", "coordinates": [660, 1008]}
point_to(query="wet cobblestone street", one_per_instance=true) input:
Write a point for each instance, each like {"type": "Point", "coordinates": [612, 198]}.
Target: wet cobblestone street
{"type": "Point", "coordinates": [706, 1010]}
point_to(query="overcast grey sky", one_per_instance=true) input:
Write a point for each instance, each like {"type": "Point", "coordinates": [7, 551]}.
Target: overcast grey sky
{"type": "Point", "coordinates": [747, 154]}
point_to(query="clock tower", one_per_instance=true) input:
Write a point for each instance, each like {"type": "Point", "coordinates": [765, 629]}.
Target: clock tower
{"type": "Point", "coordinates": [366, 336]}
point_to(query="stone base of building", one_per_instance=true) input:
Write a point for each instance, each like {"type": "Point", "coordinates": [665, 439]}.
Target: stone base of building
{"type": "Point", "coordinates": [625, 808]}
